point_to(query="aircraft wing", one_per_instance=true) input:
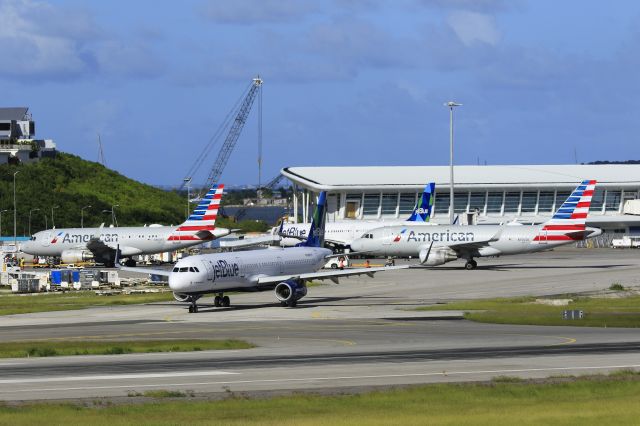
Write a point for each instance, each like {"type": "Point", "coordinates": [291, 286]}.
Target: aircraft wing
{"type": "Point", "coordinates": [99, 248]}
{"type": "Point", "coordinates": [474, 245]}
{"type": "Point", "coordinates": [250, 242]}
{"type": "Point", "coordinates": [332, 275]}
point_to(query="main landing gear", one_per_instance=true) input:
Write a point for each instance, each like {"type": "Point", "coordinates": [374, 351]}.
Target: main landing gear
{"type": "Point", "coordinates": [221, 300]}
{"type": "Point", "coordinates": [471, 264]}
{"type": "Point", "coordinates": [218, 301]}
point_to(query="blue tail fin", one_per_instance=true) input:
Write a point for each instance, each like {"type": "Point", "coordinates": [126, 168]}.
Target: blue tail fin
{"type": "Point", "coordinates": [316, 231]}
{"type": "Point", "coordinates": [422, 211]}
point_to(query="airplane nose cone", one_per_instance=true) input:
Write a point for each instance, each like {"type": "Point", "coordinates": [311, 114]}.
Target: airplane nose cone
{"type": "Point", "coordinates": [177, 283]}
{"type": "Point", "coordinates": [356, 245]}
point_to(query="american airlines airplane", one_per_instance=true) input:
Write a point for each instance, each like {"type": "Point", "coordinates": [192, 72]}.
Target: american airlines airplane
{"type": "Point", "coordinates": [439, 244]}
{"type": "Point", "coordinates": [74, 245]}
{"type": "Point", "coordinates": [342, 233]}
{"type": "Point", "coordinates": [285, 270]}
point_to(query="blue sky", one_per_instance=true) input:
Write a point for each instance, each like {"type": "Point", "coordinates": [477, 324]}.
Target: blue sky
{"type": "Point", "coordinates": [352, 82]}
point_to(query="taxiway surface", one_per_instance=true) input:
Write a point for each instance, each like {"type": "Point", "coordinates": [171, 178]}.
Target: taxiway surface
{"type": "Point", "coordinates": [362, 332]}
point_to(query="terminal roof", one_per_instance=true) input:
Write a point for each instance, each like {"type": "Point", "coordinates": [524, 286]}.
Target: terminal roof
{"type": "Point", "coordinates": [485, 177]}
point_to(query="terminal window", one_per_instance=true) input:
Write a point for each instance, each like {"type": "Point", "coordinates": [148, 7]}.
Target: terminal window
{"type": "Point", "coordinates": [529, 201]}
{"type": "Point", "coordinates": [612, 203]}
{"type": "Point", "coordinates": [477, 201]}
{"type": "Point", "coordinates": [5, 126]}
{"type": "Point", "coordinates": [460, 200]}
{"type": "Point", "coordinates": [389, 203]}
{"type": "Point", "coordinates": [511, 202]}
{"type": "Point", "coordinates": [371, 204]}
{"type": "Point", "coordinates": [407, 203]}
{"type": "Point", "coordinates": [494, 202]}
{"type": "Point", "coordinates": [545, 201]}
{"type": "Point", "coordinates": [597, 201]}
{"type": "Point", "coordinates": [442, 203]}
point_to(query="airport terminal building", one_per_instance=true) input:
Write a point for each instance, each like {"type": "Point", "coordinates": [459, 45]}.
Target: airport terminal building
{"type": "Point", "coordinates": [483, 194]}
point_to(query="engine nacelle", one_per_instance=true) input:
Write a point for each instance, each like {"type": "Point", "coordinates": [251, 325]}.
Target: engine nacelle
{"type": "Point", "coordinates": [181, 297]}
{"type": "Point", "coordinates": [437, 256]}
{"type": "Point", "coordinates": [290, 291]}
{"type": "Point", "coordinates": [75, 256]}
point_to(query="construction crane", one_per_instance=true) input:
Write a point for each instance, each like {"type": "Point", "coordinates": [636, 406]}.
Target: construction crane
{"type": "Point", "coordinates": [230, 141]}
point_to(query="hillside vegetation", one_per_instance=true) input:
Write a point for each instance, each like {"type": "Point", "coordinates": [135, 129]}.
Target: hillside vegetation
{"type": "Point", "coordinates": [72, 183]}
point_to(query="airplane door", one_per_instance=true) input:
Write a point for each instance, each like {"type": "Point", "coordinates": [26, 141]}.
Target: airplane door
{"type": "Point", "coordinates": [280, 265]}
{"type": "Point", "coordinates": [46, 239]}
{"type": "Point", "coordinates": [240, 267]}
{"type": "Point", "coordinates": [209, 269]}
{"type": "Point", "coordinates": [544, 236]}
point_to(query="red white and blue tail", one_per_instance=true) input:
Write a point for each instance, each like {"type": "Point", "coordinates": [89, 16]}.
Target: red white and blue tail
{"type": "Point", "coordinates": [201, 223]}
{"type": "Point", "coordinates": [569, 222]}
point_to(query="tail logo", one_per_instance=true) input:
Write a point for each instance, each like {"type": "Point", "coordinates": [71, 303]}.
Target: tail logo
{"type": "Point", "coordinates": [569, 221]}
{"type": "Point", "coordinates": [201, 223]}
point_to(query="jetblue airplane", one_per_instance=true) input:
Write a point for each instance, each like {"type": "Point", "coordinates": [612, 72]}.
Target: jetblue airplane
{"type": "Point", "coordinates": [285, 270]}
{"type": "Point", "coordinates": [342, 233]}
{"type": "Point", "coordinates": [74, 245]}
{"type": "Point", "coordinates": [439, 244]}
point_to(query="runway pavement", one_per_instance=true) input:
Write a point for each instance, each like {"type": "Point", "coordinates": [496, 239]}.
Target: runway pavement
{"type": "Point", "coordinates": [359, 333]}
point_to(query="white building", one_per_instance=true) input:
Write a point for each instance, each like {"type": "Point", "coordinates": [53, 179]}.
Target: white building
{"type": "Point", "coordinates": [483, 194]}
{"type": "Point", "coordinates": [17, 138]}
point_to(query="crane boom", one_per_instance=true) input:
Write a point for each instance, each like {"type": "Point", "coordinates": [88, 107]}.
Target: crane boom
{"type": "Point", "coordinates": [233, 135]}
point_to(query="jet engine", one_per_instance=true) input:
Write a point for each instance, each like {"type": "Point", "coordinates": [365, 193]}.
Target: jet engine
{"type": "Point", "coordinates": [289, 292]}
{"type": "Point", "coordinates": [181, 297]}
{"type": "Point", "coordinates": [75, 256]}
{"type": "Point", "coordinates": [437, 256]}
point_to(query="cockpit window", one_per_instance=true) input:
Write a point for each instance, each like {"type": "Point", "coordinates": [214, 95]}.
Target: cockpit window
{"type": "Point", "coordinates": [176, 269]}
{"type": "Point", "coordinates": [367, 236]}
{"type": "Point", "coordinates": [192, 269]}
{"type": "Point", "coordinates": [184, 269]}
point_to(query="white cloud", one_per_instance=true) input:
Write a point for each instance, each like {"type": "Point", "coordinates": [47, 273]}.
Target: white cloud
{"type": "Point", "coordinates": [474, 27]}
{"type": "Point", "coordinates": [28, 38]}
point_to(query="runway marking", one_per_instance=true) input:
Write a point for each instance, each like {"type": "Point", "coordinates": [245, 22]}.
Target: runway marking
{"type": "Point", "coordinates": [569, 341]}
{"type": "Point", "coordinates": [118, 376]}
{"type": "Point", "coordinates": [298, 379]}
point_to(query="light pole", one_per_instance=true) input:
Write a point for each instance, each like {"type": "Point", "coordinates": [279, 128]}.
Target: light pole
{"type": "Point", "coordinates": [187, 181]}
{"type": "Point", "coordinates": [2, 211]}
{"type": "Point", "coordinates": [15, 243]}
{"type": "Point", "coordinates": [31, 211]}
{"type": "Point", "coordinates": [53, 223]}
{"type": "Point", "coordinates": [82, 215]}
{"type": "Point", "coordinates": [113, 214]}
{"type": "Point", "coordinates": [451, 105]}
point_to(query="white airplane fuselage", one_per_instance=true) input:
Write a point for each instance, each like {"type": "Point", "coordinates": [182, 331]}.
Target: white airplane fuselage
{"type": "Point", "coordinates": [405, 241]}
{"type": "Point", "coordinates": [342, 232]}
{"type": "Point", "coordinates": [218, 272]}
{"type": "Point", "coordinates": [132, 240]}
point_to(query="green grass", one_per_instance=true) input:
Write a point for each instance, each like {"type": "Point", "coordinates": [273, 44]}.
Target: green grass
{"type": "Point", "coordinates": [599, 312]}
{"type": "Point", "coordinates": [42, 348]}
{"type": "Point", "coordinates": [17, 304]}
{"type": "Point", "coordinates": [583, 401]}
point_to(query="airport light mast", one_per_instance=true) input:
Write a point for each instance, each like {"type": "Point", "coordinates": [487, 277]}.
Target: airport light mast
{"type": "Point", "coordinates": [451, 105]}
